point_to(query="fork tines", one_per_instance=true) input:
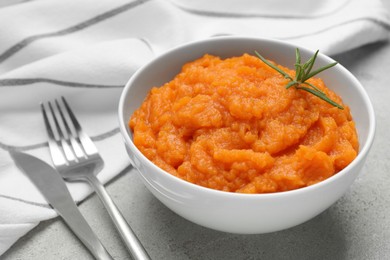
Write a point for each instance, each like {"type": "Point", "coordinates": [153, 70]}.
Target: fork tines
{"type": "Point", "coordinates": [67, 141]}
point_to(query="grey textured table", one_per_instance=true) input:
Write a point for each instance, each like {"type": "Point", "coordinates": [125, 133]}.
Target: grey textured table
{"type": "Point", "coordinates": [356, 227]}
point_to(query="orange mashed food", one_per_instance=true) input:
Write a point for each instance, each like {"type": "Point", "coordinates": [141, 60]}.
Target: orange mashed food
{"type": "Point", "coordinates": [232, 125]}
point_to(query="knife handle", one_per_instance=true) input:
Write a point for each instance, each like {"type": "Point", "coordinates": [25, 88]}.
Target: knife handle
{"type": "Point", "coordinates": [77, 223]}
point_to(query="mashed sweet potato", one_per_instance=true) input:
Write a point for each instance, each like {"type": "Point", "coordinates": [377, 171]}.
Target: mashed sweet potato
{"type": "Point", "coordinates": [232, 125]}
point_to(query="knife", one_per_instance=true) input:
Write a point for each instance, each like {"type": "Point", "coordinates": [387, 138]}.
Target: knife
{"type": "Point", "coordinates": [53, 188]}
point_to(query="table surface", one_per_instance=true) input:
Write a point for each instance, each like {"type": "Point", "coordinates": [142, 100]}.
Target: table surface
{"type": "Point", "coordinates": [355, 227]}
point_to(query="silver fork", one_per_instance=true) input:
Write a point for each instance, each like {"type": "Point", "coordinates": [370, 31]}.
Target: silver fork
{"type": "Point", "coordinates": [76, 157]}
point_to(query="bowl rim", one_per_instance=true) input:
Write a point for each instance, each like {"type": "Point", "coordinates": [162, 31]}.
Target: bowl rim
{"type": "Point", "coordinates": [363, 151]}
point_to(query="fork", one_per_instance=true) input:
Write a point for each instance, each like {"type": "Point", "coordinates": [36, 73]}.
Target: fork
{"type": "Point", "coordinates": [76, 158]}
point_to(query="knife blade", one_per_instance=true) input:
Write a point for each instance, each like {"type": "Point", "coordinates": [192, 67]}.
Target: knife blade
{"type": "Point", "coordinates": [51, 185]}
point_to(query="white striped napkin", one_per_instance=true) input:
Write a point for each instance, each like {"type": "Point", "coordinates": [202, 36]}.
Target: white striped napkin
{"type": "Point", "coordinates": [86, 50]}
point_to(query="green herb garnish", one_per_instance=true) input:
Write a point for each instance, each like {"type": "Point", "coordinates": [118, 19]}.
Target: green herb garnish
{"type": "Point", "coordinates": [302, 74]}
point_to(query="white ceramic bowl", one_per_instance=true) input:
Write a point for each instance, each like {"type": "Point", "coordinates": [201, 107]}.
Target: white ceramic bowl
{"type": "Point", "coordinates": [244, 213]}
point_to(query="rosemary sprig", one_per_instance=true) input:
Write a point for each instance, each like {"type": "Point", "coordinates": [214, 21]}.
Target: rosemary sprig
{"type": "Point", "coordinates": [303, 72]}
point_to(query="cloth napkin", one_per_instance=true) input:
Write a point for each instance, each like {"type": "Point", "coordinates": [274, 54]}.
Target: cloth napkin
{"type": "Point", "coordinates": [86, 50]}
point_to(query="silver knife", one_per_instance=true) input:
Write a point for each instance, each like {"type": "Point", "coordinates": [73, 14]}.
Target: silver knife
{"type": "Point", "coordinates": [53, 188]}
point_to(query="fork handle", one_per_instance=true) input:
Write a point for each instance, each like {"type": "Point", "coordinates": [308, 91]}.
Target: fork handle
{"type": "Point", "coordinates": [133, 244]}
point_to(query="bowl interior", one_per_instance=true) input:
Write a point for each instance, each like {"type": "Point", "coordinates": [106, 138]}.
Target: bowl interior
{"type": "Point", "coordinates": [164, 68]}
